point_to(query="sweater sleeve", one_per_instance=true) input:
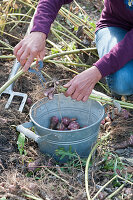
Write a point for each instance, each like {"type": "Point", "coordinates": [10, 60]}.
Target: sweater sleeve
{"type": "Point", "coordinates": [47, 11]}
{"type": "Point", "coordinates": [118, 56]}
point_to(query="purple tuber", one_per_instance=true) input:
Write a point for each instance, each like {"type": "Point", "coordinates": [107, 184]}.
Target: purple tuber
{"type": "Point", "coordinates": [53, 122]}
{"type": "Point", "coordinates": [33, 165]}
{"type": "Point", "coordinates": [65, 120]}
{"type": "Point", "coordinates": [73, 125]}
{"type": "Point", "coordinates": [29, 101]}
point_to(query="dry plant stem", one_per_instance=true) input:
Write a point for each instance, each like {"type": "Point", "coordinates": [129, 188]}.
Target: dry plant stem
{"type": "Point", "coordinates": [36, 198]}
{"type": "Point", "coordinates": [115, 192]}
{"type": "Point", "coordinates": [21, 19]}
{"type": "Point", "coordinates": [4, 48]}
{"type": "Point", "coordinates": [110, 101]}
{"type": "Point", "coordinates": [57, 176]}
{"type": "Point", "coordinates": [6, 45]}
{"type": "Point", "coordinates": [76, 21]}
{"type": "Point", "coordinates": [7, 57]}
{"type": "Point", "coordinates": [104, 187]}
{"type": "Point", "coordinates": [102, 99]}
{"type": "Point", "coordinates": [104, 87]}
{"type": "Point", "coordinates": [30, 196]}
{"type": "Point", "coordinates": [27, 4]}
{"type": "Point", "coordinates": [125, 180]}
{"type": "Point", "coordinates": [88, 163]}
{"type": "Point", "coordinates": [81, 9]}
{"type": "Point", "coordinates": [67, 69]}
{"type": "Point", "coordinates": [76, 51]}
{"type": "Point", "coordinates": [59, 37]}
{"type": "Point", "coordinates": [9, 82]}
{"type": "Point", "coordinates": [75, 40]}
{"type": "Point", "coordinates": [19, 14]}
{"type": "Point", "coordinates": [65, 44]}
{"type": "Point", "coordinates": [13, 21]}
{"type": "Point", "coordinates": [10, 35]}
{"type": "Point", "coordinates": [46, 75]}
{"type": "Point", "coordinates": [59, 49]}
{"type": "Point", "coordinates": [74, 36]}
{"type": "Point", "coordinates": [68, 63]}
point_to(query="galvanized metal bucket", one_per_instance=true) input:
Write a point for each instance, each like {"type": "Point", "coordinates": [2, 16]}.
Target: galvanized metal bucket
{"type": "Point", "coordinates": [88, 114]}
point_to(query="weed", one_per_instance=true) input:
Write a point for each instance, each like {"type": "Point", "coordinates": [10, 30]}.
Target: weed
{"type": "Point", "coordinates": [21, 143]}
{"type": "Point", "coordinates": [73, 159]}
{"type": "Point", "coordinates": [112, 162]}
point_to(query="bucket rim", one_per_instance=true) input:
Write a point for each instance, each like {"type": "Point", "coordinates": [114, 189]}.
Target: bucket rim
{"type": "Point", "coordinates": [67, 131]}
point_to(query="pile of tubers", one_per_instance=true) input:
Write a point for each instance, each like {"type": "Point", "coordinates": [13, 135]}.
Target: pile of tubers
{"type": "Point", "coordinates": [64, 124]}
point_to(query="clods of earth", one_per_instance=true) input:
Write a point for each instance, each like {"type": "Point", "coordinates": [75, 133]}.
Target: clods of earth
{"type": "Point", "coordinates": [35, 174]}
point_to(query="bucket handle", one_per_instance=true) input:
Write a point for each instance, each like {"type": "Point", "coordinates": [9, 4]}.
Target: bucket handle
{"type": "Point", "coordinates": [23, 128]}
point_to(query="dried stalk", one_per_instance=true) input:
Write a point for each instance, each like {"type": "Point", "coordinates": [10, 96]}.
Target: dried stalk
{"type": "Point", "coordinates": [9, 82]}
{"type": "Point", "coordinates": [88, 163]}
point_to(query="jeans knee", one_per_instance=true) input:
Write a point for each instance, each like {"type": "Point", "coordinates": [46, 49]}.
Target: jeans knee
{"type": "Point", "coordinates": [120, 83]}
{"type": "Point", "coordinates": [121, 90]}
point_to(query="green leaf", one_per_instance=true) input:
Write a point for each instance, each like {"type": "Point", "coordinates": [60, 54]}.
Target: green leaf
{"type": "Point", "coordinates": [20, 143]}
{"type": "Point", "coordinates": [54, 50]}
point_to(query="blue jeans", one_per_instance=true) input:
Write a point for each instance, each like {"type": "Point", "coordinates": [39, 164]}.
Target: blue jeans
{"type": "Point", "coordinates": [120, 82]}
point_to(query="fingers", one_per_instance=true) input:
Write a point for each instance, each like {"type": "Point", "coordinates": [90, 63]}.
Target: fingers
{"type": "Point", "coordinates": [67, 85]}
{"type": "Point", "coordinates": [28, 62]}
{"type": "Point", "coordinates": [75, 95]}
{"type": "Point", "coordinates": [42, 54]}
{"type": "Point", "coordinates": [21, 53]}
{"type": "Point", "coordinates": [26, 56]}
{"type": "Point", "coordinates": [78, 93]}
{"type": "Point", "coordinates": [70, 91]}
{"type": "Point", "coordinates": [32, 46]}
{"type": "Point", "coordinates": [17, 47]}
{"type": "Point", "coordinates": [85, 98]}
{"type": "Point", "coordinates": [23, 57]}
{"type": "Point", "coordinates": [82, 96]}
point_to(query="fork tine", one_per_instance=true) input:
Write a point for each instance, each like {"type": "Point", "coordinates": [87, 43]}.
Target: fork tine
{"type": "Point", "coordinates": [9, 100]}
{"type": "Point", "coordinates": [24, 96]}
{"type": "Point", "coordinates": [23, 102]}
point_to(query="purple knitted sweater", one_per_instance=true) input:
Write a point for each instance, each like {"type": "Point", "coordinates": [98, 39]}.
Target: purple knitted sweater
{"type": "Point", "coordinates": [115, 13]}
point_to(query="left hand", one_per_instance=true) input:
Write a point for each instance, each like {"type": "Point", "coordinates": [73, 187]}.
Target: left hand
{"type": "Point", "coordinates": [32, 46]}
{"type": "Point", "coordinates": [80, 87]}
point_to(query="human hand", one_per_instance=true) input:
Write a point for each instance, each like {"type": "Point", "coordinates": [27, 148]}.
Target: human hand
{"type": "Point", "coordinates": [80, 87]}
{"type": "Point", "coordinates": [32, 46]}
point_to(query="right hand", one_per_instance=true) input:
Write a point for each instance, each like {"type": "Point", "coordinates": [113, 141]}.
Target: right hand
{"type": "Point", "coordinates": [81, 86]}
{"type": "Point", "coordinates": [32, 46]}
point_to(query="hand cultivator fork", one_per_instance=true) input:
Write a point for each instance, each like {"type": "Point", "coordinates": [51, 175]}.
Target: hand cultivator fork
{"type": "Point", "coordinates": [38, 72]}
{"type": "Point", "coordinates": [10, 91]}
{"type": "Point", "coordinates": [14, 70]}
